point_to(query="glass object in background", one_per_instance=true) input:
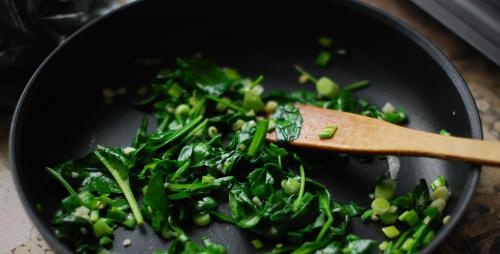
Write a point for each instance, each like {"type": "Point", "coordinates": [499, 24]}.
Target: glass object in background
{"type": "Point", "coordinates": [30, 29]}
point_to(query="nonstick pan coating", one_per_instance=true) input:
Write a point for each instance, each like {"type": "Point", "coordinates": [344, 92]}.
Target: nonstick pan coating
{"type": "Point", "coordinates": [61, 114]}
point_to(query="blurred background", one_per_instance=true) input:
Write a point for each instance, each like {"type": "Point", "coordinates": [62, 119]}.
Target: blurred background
{"type": "Point", "coordinates": [467, 31]}
{"type": "Point", "coordinates": [30, 29]}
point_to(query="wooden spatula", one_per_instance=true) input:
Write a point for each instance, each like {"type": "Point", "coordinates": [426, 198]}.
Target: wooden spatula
{"type": "Point", "coordinates": [365, 135]}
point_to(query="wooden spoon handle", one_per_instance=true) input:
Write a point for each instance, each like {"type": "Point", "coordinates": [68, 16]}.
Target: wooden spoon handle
{"type": "Point", "coordinates": [360, 134]}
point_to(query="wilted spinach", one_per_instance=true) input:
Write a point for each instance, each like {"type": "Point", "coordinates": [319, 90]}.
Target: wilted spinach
{"type": "Point", "coordinates": [210, 141]}
{"type": "Point", "coordinates": [288, 122]}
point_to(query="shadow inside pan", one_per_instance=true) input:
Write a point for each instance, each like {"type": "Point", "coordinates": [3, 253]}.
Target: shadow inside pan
{"type": "Point", "coordinates": [62, 114]}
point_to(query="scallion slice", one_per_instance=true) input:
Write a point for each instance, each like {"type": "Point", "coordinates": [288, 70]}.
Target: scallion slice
{"type": "Point", "coordinates": [327, 132]}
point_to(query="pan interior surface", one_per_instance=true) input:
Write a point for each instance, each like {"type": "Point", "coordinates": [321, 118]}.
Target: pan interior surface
{"type": "Point", "coordinates": [62, 114]}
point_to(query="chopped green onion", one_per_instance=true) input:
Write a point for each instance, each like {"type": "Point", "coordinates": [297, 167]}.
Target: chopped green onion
{"type": "Point", "coordinates": [271, 106]}
{"type": "Point", "coordinates": [323, 58]}
{"type": "Point", "coordinates": [388, 108]}
{"type": "Point", "coordinates": [116, 215]}
{"type": "Point", "coordinates": [427, 220]}
{"type": "Point", "coordinates": [272, 125]}
{"type": "Point", "coordinates": [358, 85]}
{"type": "Point", "coordinates": [446, 219]}
{"type": "Point", "coordinates": [367, 215]}
{"type": "Point", "coordinates": [444, 132]}
{"type": "Point", "coordinates": [290, 186]}
{"type": "Point", "coordinates": [428, 238]}
{"type": "Point", "coordinates": [202, 219]}
{"type": "Point", "coordinates": [207, 179]}
{"type": "Point", "coordinates": [212, 131]}
{"type": "Point", "coordinates": [391, 232]}
{"type": "Point", "coordinates": [389, 249]}
{"type": "Point", "coordinates": [402, 238]}
{"type": "Point", "coordinates": [327, 88]}
{"type": "Point", "coordinates": [182, 110]}
{"type": "Point", "coordinates": [252, 101]}
{"type": "Point", "coordinates": [388, 218]}
{"type": "Point", "coordinates": [380, 206]}
{"type": "Point", "coordinates": [130, 221]}
{"type": "Point", "coordinates": [383, 245]}
{"type": "Point", "coordinates": [258, 138]}
{"type": "Point", "coordinates": [394, 117]}
{"type": "Point", "coordinates": [327, 132]}
{"type": "Point", "coordinates": [440, 204]}
{"type": "Point", "coordinates": [105, 241]}
{"type": "Point", "coordinates": [385, 189]}
{"type": "Point", "coordinates": [221, 106]}
{"type": "Point", "coordinates": [94, 215]}
{"type": "Point", "coordinates": [175, 91]}
{"type": "Point", "coordinates": [408, 244]}
{"type": "Point", "coordinates": [303, 79]}
{"type": "Point", "coordinates": [439, 182]}
{"type": "Point", "coordinates": [420, 231]}
{"type": "Point", "coordinates": [410, 217]}
{"type": "Point", "coordinates": [257, 244]}
{"type": "Point", "coordinates": [238, 124]}
{"type": "Point", "coordinates": [325, 42]}
{"type": "Point", "coordinates": [101, 228]}
{"type": "Point", "coordinates": [440, 193]}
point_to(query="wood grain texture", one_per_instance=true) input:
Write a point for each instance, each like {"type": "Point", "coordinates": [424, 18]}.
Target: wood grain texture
{"type": "Point", "coordinates": [365, 135]}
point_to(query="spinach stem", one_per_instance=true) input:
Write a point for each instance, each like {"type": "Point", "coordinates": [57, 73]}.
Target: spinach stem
{"type": "Point", "coordinates": [296, 205]}
{"type": "Point", "coordinates": [227, 103]}
{"type": "Point", "coordinates": [188, 137]}
{"type": "Point", "coordinates": [304, 72]}
{"type": "Point", "coordinates": [357, 85]}
{"type": "Point", "coordinates": [180, 133]}
{"type": "Point", "coordinates": [124, 183]}
{"type": "Point", "coordinates": [63, 181]}
{"type": "Point", "coordinates": [180, 171]}
{"type": "Point", "coordinates": [259, 138]}
{"type": "Point", "coordinates": [325, 205]}
{"type": "Point", "coordinates": [198, 110]}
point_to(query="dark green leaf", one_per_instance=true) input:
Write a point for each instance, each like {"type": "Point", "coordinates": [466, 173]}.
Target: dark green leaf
{"type": "Point", "coordinates": [155, 202]}
{"type": "Point", "coordinates": [206, 75]}
{"type": "Point", "coordinates": [288, 122]}
{"type": "Point", "coordinates": [261, 183]}
{"type": "Point", "coordinates": [99, 183]}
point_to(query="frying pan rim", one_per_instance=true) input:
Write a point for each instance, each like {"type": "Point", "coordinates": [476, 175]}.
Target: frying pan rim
{"type": "Point", "coordinates": [364, 9]}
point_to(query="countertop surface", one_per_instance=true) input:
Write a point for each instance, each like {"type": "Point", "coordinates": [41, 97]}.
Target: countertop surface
{"type": "Point", "coordinates": [479, 231]}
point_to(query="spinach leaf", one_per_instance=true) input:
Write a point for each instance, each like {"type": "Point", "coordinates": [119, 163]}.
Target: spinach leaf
{"type": "Point", "coordinates": [99, 183]}
{"type": "Point", "coordinates": [261, 183]}
{"type": "Point", "coordinates": [288, 122]}
{"type": "Point", "coordinates": [155, 202]}
{"type": "Point", "coordinates": [206, 75]}
{"type": "Point", "coordinates": [421, 194]}
{"type": "Point", "coordinates": [119, 166]}
{"type": "Point", "coordinates": [243, 210]}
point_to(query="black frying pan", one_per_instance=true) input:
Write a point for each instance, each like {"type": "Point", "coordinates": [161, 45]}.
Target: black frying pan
{"type": "Point", "coordinates": [61, 114]}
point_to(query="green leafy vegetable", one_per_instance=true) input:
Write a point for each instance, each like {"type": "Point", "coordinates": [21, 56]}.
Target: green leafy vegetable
{"type": "Point", "coordinates": [288, 122]}
{"type": "Point", "coordinates": [327, 132]}
{"type": "Point", "coordinates": [209, 148]}
{"type": "Point", "coordinates": [118, 165]}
